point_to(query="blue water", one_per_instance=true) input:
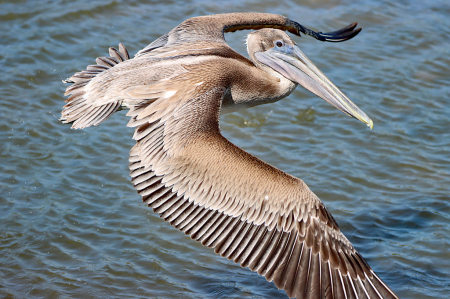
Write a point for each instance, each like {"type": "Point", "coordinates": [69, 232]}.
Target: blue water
{"type": "Point", "coordinates": [72, 225]}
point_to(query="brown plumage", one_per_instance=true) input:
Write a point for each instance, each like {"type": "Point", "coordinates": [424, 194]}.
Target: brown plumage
{"type": "Point", "coordinates": [220, 195]}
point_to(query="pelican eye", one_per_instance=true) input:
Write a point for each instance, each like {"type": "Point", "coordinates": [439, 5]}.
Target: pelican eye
{"type": "Point", "coordinates": [279, 43]}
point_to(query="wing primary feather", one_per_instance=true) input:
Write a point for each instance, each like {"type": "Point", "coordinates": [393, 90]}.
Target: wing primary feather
{"type": "Point", "coordinates": [194, 231]}
{"type": "Point", "coordinates": [258, 245]}
{"type": "Point", "coordinates": [363, 288]}
{"type": "Point", "coordinates": [327, 280]}
{"type": "Point", "coordinates": [292, 284]}
{"type": "Point", "coordinates": [168, 204]}
{"type": "Point", "coordinates": [173, 208]}
{"type": "Point", "coordinates": [226, 237]}
{"type": "Point", "coordinates": [205, 231]}
{"type": "Point", "coordinates": [241, 243]}
{"type": "Point", "coordinates": [194, 221]}
{"type": "Point", "coordinates": [321, 276]}
{"type": "Point", "coordinates": [313, 286]}
{"type": "Point", "coordinates": [275, 257]}
{"type": "Point", "coordinates": [229, 245]}
{"type": "Point", "coordinates": [350, 280]}
{"type": "Point", "coordinates": [190, 217]}
{"type": "Point", "coordinates": [368, 280]}
{"type": "Point", "coordinates": [300, 276]}
{"type": "Point", "coordinates": [270, 252]}
{"type": "Point", "coordinates": [183, 215]}
{"type": "Point", "coordinates": [163, 195]}
{"type": "Point", "coordinates": [255, 235]}
{"type": "Point", "coordinates": [355, 265]}
{"type": "Point", "coordinates": [348, 286]}
{"type": "Point", "coordinates": [362, 262]}
{"type": "Point", "coordinates": [203, 234]}
{"type": "Point", "coordinates": [259, 250]}
{"type": "Point", "coordinates": [174, 215]}
{"type": "Point", "coordinates": [146, 188]}
{"type": "Point", "coordinates": [208, 237]}
{"type": "Point", "coordinates": [382, 288]}
{"type": "Point", "coordinates": [348, 268]}
{"type": "Point", "coordinates": [305, 280]}
{"type": "Point", "coordinates": [146, 174]}
{"type": "Point", "coordinates": [279, 272]}
{"type": "Point", "coordinates": [344, 289]}
{"type": "Point", "coordinates": [215, 237]}
{"type": "Point", "coordinates": [279, 262]}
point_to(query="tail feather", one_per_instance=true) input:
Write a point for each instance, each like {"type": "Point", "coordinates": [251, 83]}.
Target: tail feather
{"type": "Point", "coordinates": [120, 55]}
{"type": "Point", "coordinates": [78, 110]}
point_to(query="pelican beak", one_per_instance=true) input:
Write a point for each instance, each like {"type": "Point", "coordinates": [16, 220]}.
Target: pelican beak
{"type": "Point", "coordinates": [291, 63]}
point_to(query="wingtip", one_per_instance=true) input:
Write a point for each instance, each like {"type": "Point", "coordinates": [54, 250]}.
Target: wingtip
{"type": "Point", "coordinates": [343, 34]}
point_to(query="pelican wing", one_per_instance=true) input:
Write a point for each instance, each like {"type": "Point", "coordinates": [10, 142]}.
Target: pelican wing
{"type": "Point", "coordinates": [212, 29]}
{"type": "Point", "coordinates": [218, 194]}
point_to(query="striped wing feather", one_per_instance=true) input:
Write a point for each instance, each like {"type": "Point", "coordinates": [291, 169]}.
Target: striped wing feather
{"type": "Point", "coordinates": [247, 210]}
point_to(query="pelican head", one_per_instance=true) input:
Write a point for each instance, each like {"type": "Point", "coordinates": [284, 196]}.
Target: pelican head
{"type": "Point", "coordinates": [275, 52]}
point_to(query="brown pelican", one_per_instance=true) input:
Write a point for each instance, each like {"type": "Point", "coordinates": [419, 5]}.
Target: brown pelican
{"type": "Point", "coordinates": [218, 194]}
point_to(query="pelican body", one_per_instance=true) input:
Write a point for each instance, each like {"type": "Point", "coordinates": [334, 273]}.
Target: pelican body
{"type": "Point", "coordinates": [218, 194]}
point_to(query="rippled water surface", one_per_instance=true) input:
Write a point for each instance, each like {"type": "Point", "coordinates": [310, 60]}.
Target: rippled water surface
{"type": "Point", "coordinates": [72, 225]}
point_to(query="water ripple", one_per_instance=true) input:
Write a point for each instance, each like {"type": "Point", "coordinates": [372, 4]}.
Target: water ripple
{"type": "Point", "coordinates": [72, 226]}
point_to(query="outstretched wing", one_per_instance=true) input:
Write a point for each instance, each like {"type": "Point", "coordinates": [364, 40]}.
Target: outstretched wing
{"type": "Point", "coordinates": [218, 194]}
{"type": "Point", "coordinates": [212, 29]}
